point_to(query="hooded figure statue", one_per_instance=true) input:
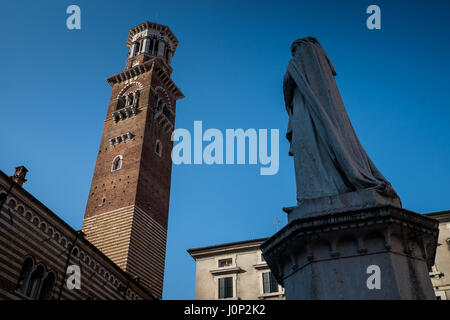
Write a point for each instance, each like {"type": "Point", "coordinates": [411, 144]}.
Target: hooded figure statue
{"type": "Point", "coordinates": [329, 159]}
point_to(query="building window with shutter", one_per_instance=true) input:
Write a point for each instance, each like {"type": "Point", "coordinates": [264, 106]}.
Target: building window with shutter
{"type": "Point", "coordinates": [270, 285]}
{"type": "Point", "coordinates": [225, 288]}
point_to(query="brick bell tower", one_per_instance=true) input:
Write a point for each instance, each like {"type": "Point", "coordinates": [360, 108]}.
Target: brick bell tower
{"type": "Point", "coordinates": [127, 209]}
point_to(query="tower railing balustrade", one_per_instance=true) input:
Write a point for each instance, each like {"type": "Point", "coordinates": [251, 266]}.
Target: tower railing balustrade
{"type": "Point", "coordinates": [125, 112]}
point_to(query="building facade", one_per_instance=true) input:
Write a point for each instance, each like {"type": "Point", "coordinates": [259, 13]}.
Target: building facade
{"type": "Point", "coordinates": [440, 273]}
{"type": "Point", "coordinates": [120, 251]}
{"type": "Point", "coordinates": [234, 271]}
{"type": "Point", "coordinates": [37, 248]}
{"type": "Point", "coordinates": [237, 270]}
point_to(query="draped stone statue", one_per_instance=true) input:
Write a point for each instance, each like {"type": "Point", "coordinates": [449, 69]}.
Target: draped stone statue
{"type": "Point", "coordinates": [346, 209]}
{"type": "Point", "coordinates": [332, 169]}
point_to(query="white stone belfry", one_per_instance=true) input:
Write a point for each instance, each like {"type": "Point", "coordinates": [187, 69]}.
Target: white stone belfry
{"type": "Point", "coordinates": [152, 39]}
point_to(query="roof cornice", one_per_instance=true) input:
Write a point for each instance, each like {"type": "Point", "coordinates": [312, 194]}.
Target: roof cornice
{"type": "Point", "coordinates": [151, 65]}
{"type": "Point", "coordinates": [226, 247]}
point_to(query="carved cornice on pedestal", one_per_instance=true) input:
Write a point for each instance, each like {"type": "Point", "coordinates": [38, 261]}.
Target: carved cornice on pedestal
{"type": "Point", "coordinates": [349, 234]}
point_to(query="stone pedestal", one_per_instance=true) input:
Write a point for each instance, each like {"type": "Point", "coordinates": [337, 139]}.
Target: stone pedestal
{"type": "Point", "coordinates": [350, 201]}
{"type": "Point", "coordinates": [334, 256]}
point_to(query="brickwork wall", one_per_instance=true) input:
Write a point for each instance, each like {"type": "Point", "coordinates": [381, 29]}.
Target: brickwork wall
{"type": "Point", "coordinates": [130, 225]}
{"type": "Point", "coordinates": [29, 229]}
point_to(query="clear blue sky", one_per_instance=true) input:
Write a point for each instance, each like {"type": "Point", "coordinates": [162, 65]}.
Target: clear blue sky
{"type": "Point", "coordinates": [229, 64]}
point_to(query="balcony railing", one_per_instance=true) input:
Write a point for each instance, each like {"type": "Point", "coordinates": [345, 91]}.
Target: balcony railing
{"type": "Point", "coordinates": [121, 138]}
{"type": "Point", "coordinates": [125, 112]}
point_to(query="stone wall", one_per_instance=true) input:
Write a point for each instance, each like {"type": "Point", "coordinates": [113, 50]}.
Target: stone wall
{"type": "Point", "coordinates": [29, 229]}
{"type": "Point", "coordinates": [246, 269]}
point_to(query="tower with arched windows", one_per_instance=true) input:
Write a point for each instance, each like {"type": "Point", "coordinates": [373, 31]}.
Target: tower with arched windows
{"type": "Point", "coordinates": [127, 209]}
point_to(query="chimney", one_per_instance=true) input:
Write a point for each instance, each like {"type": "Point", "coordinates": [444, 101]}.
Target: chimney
{"type": "Point", "coordinates": [19, 175]}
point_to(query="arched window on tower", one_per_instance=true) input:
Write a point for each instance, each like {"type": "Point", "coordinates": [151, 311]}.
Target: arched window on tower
{"type": "Point", "coordinates": [24, 276]}
{"type": "Point", "coordinates": [117, 163]}
{"type": "Point", "coordinates": [35, 282]}
{"type": "Point", "coordinates": [167, 53]}
{"type": "Point", "coordinates": [150, 46]}
{"type": "Point", "coordinates": [155, 51]}
{"type": "Point", "coordinates": [158, 148]}
{"type": "Point", "coordinates": [132, 98]}
{"type": "Point", "coordinates": [47, 287]}
{"type": "Point", "coordinates": [158, 106]}
{"type": "Point", "coordinates": [167, 113]}
{"type": "Point", "coordinates": [120, 102]}
{"type": "Point", "coordinates": [137, 47]}
{"type": "Point", "coordinates": [129, 99]}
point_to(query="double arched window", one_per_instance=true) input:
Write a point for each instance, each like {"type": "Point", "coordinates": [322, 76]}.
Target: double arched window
{"type": "Point", "coordinates": [128, 100]}
{"type": "Point", "coordinates": [34, 282]}
{"type": "Point", "coordinates": [132, 98]}
{"type": "Point", "coordinates": [24, 276]}
{"type": "Point", "coordinates": [47, 287]}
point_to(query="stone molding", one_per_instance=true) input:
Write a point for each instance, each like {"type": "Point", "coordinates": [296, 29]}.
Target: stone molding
{"type": "Point", "coordinates": [228, 270]}
{"type": "Point", "coordinates": [370, 230]}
